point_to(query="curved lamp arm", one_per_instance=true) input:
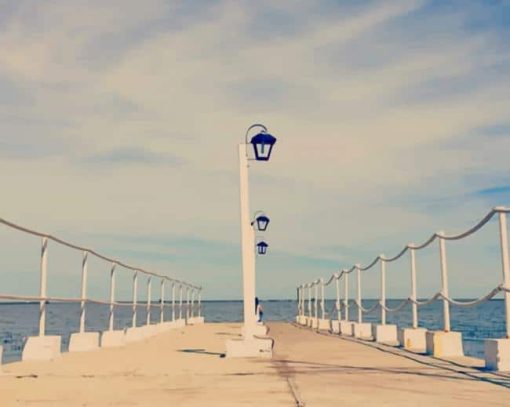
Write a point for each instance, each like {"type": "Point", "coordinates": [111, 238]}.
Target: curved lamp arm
{"type": "Point", "coordinates": [264, 128]}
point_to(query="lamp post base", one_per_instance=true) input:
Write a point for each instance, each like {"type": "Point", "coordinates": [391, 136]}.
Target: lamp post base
{"type": "Point", "coordinates": [250, 348]}
{"type": "Point", "coordinates": [258, 329]}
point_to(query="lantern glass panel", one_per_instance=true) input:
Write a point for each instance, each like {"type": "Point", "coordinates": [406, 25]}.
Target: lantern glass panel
{"type": "Point", "coordinates": [263, 145]}
{"type": "Point", "coordinates": [262, 248]}
{"type": "Point", "coordinates": [262, 223]}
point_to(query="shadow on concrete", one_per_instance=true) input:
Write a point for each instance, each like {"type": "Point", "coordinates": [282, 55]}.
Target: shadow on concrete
{"type": "Point", "coordinates": [202, 352]}
{"type": "Point", "coordinates": [452, 370]}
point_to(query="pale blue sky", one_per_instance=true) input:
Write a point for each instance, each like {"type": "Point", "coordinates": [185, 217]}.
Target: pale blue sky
{"type": "Point", "coordinates": [119, 122]}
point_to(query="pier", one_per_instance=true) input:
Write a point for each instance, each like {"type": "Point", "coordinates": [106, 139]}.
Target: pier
{"type": "Point", "coordinates": [186, 366]}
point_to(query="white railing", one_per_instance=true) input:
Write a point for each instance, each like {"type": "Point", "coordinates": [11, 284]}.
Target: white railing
{"type": "Point", "coordinates": [342, 306]}
{"type": "Point", "coordinates": [192, 307]}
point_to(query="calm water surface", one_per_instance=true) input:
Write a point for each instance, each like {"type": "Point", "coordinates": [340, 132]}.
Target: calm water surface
{"type": "Point", "coordinates": [18, 321]}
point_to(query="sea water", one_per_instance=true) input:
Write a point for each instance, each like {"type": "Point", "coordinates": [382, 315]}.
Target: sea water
{"type": "Point", "coordinates": [20, 320]}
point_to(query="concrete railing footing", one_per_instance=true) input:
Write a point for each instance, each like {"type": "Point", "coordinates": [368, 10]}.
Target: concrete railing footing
{"type": "Point", "coordinates": [497, 354]}
{"type": "Point", "coordinates": [346, 328]}
{"type": "Point", "coordinates": [315, 323]}
{"type": "Point", "coordinates": [444, 344]}
{"type": "Point", "coordinates": [41, 348]}
{"type": "Point", "coordinates": [323, 324]}
{"type": "Point", "coordinates": [335, 326]}
{"type": "Point", "coordinates": [413, 339]}
{"type": "Point", "coordinates": [134, 334]}
{"type": "Point", "coordinates": [386, 334]}
{"type": "Point", "coordinates": [83, 341]}
{"type": "Point", "coordinates": [362, 330]}
{"type": "Point", "coordinates": [112, 339]}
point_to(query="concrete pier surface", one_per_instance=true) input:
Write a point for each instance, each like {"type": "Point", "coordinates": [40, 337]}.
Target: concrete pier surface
{"type": "Point", "coordinates": [185, 367]}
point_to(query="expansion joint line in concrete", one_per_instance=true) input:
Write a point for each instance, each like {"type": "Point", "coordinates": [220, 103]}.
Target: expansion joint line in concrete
{"type": "Point", "coordinates": [294, 392]}
{"type": "Point", "coordinates": [290, 382]}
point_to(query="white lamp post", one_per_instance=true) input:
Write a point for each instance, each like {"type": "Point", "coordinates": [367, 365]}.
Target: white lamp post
{"type": "Point", "coordinates": [262, 145]}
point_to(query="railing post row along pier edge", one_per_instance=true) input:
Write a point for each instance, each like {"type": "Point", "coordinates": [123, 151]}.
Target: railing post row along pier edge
{"type": "Point", "coordinates": [442, 343]}
{"type": "Point", "coordinates": [45, 347]}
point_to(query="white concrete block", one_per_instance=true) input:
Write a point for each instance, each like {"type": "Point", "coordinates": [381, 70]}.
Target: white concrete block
{"type": "Point", "coordinates": [41, 348]}
{"type": "Point", "coordinates": [150, 330]}
{"type": "Point", "coordinates": [199, 320]}
{"type": "Point", "coordinates": [180, 323]}
{"type": "Point", "coordinates": [442, 344]}
{"type": "Point", "coordinates": [1, 352]}
{"type": "Point", "coordinates": [84, 341]}
{"type": "Point", "coordinates": [134, 334]}
{"type": "Point", "coordinates": [362, 330]}
{"type": "Point", "coordinates": [346, 328]}
{"type": "Point", "coordinates": [413, 339]}
{"type": "Point", "coordinates": [111, 339]}
{"type": "Point", "coordinates": [386, 334]}
{"type": "Point", "coordinates": [258, 330]}
{"type": "Point", "coordinates": [166, 326]}
{"type": "Point", "coordinates": [497, 354]}
{"type": "Point", "coordinates": [163, 327]}
{"type": "Point", "coordinates": [261, 330]}
{"type": "Point", "coordinates": [323, 324]}
{"type": "Point", "coordinates": [315, 323]}
{"type": "Point", "coordinates": [259, 348]}
{"type": "Point", "coordinates": [335, 326]}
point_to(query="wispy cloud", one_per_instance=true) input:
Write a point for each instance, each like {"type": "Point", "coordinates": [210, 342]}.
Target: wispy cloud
{"type": "Point", "coordinates": [133, 155]}
{"type": "Point", "coordinates": [391, 118]}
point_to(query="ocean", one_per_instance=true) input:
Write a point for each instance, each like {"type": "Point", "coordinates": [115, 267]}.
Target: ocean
{"type": "Point", "coordinates": [20, 320]}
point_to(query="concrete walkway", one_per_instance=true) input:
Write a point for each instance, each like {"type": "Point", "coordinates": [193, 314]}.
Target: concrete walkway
{"type": "Point", "coordinates": [184, 367]}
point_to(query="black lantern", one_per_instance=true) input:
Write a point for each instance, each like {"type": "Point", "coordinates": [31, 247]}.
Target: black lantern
{"type": "Point", "coordinates": [262, 222]}
{"type": "Point", "coordinates": [262, 248]}
{"type": "Point", "coordinates": [263, 145]}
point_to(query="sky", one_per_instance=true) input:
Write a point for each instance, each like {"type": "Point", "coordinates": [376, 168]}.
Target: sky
{"type": "Point", "coordinates": [120, 121]}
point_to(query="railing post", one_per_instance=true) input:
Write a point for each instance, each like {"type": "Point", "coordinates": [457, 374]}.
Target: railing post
{"type": "Point", "coordinates": [149, 291]}
{"type": "Point", "coordinates": [316, 301]}
{"type": "Point", "coordinates": [83, 291]}
{"type": "Point", "coordinates": [444, 283]}
{"type": "Point", "coordinates": [162, 301]}
{"type": "Point", "coordinates": [192, 310]}
{"type": "Point", "coordinates": [360, 312]}
{"type": "Point", "coordinates": [298, 301]}
{"type": "Point", "coordinates": [187, 302]}
{"type": "Point", "coordinates": [180, 301]}
{"type": "Point", "coordinates": [337, 304]}
{"type": "Point", "coordinates": [303, 300]}
{"type": "Point", "coordinates": [135, 295]}
{"type": "Point", "coordinates": [173, 300]}
{"type": "Point", "coordinates": [200, 302]}
{"type": "Point", "coordinates": [503, 234]}
{"type": "Point", "coordinates": [346, 297]}
{"type": "Point", "coordinates": [112, 297]}
{"type": "Point", "coordinates": [323, 311]}
{"type": "Point", "coordinates": [309, 300]}
{"type": "Point", "coordinates": [414, 305]}
{"type": "Point", "coordinates": [42, 291]}
{"type": "Point", "coordinates": [383, 289]}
